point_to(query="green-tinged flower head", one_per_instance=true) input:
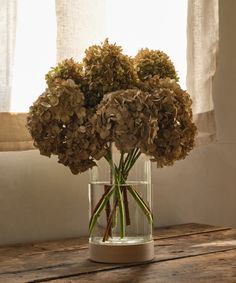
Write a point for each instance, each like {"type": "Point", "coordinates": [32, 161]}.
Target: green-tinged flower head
{"type": "Point", "coordinates": [107, 70]}
{"type": "Point", "coordinates": [149, 63]}
{"type": "Point", "coordinates": [59, 124]}
{"type": "Point", "coordinates": [67, 69]}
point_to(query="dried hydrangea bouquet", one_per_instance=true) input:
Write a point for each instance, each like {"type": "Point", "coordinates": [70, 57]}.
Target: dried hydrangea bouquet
{"type": "Point", "coordinates": [112, 114]}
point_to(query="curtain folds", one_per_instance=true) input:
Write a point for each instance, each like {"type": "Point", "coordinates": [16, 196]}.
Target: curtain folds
{"type": "Point", "coordinates": [7, 46]}
{"type": "Point", "coordinates": [202, 50]}
{"type": "Point", "coordinates": [80, 23]}
{"type": "Point", "coordinates": [13, 133]}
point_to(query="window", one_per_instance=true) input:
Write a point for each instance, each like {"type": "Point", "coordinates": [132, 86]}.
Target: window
{"type": "Point", "coordinates": [35, 51]}
{"type": "Point", "coordinates": [133, 24]}
{"type": "Point", "coordinates": [155, 24]}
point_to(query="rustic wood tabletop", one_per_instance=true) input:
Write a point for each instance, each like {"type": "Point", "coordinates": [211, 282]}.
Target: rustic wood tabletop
{"type": "Point", "coordinates": [183, 253]}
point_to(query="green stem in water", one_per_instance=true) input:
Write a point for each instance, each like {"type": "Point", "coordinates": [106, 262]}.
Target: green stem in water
{"type": "Point", "coordinates": [121, 210]}
{"type": "Point", "coordinates": [108, 207]}
{"type": "Point", "coordinates": [141, 203]}
{"type": "Point", "coordinates": [115, 216]}
{"type": "Point", "coordinates": [120, 174]}
{"type": "Point", "coordinates": [99, 209]}
{"type": "Point", "coordinates": [126, 204]}
{"type": "Point", "coordinates": [109, 222]}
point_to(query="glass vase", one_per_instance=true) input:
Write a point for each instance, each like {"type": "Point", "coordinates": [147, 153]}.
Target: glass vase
{"type": "Point", "coordinates": [121, 209]}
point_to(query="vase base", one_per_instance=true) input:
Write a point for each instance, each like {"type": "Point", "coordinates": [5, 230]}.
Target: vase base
{"type": "Point", "coordinates": [121, 253]}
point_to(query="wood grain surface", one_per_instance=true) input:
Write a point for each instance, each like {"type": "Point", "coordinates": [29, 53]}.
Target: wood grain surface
{"type": "Point", "coordinates": [183, 253]}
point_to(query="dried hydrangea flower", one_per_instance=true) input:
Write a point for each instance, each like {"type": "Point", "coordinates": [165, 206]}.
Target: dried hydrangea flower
{"type": "Point", "coordinates": [150, 85]}
{"type": "Point", "coordinates": [58, 123]}
{"type": "Point", "coordinates": [67, 69]}
{"type": "Point", "coordinates": [127, 118]}
{"type": "Point", "coordinates": [149, 113]}
{"type": "Point", "coordinates": [107, 70]}
{"type": "Point", "coordinates": [83, 146]}
{"type": "Point", "coordinates": [176, 130]}
{"type": "Point", "coordinates": [149, 63]}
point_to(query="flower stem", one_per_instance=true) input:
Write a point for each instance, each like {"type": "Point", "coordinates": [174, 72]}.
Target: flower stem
{"type": "Point", "coordinates": [108, 206]}
{"type": "Point", "coordinates": [121, 210]}
{"type": "Point", "coordinates": [118, 176]}
{"type": "Point", "coordinates": [98, 209]}
{"type": "Point", "coordinates": [141, 203]}
{"type": "Point", "coordinates": [109, 223]}
{"type": "Point", "coordinates": [126, 204]}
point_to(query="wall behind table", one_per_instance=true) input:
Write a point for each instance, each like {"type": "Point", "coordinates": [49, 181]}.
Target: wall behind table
{"type": "Point", "coordinates": [40, 199]}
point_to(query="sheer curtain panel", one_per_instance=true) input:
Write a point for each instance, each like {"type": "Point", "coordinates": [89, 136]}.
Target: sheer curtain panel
{"type": "Point", "coordinates": [202, 49]}
{"type": "Point", "coordinates": [7, 46]}
{"type": "Point", "coordinates": [13, 134]}
{"type": "Point", "coordinates": [80, 23]}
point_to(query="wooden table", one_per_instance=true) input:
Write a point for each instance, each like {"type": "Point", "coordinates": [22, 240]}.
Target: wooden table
{"type": "Point", "coordinates": [183, 253]}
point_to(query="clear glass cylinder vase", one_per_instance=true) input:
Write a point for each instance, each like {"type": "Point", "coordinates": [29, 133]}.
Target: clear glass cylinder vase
{"type": "Point", "coordinates": [120, 197]}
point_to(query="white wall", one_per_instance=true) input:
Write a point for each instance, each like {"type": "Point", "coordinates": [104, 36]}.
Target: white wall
{"type": "Point", "coordinates": [40, 199]}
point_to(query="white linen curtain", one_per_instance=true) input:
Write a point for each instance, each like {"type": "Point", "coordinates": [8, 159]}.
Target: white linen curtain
{"type": "Point", "coordinates": [202, 49]}
{"type": "Point", "coordinates": [13, 134]}
{"type": "Point", "coordinates": [80, 23]}
{"type": "Point", "coordinates": [7, 46]}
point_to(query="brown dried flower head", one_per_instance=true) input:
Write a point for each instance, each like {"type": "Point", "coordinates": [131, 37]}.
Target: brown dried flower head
{"type": "Point", "coordinates": [58, 123]}
{"type": "Point", "coordinates": [176, 130]}
{"type": "Point", "coordinates": [107, 70]}
{"type": "Point", "coordinates": [149, 63]}
{"type": "Point", "coordinates": [126, 117]}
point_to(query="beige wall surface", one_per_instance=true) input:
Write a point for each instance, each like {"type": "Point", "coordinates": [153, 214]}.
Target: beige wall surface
{"type": "Point", "coordinates": [40, 199]}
